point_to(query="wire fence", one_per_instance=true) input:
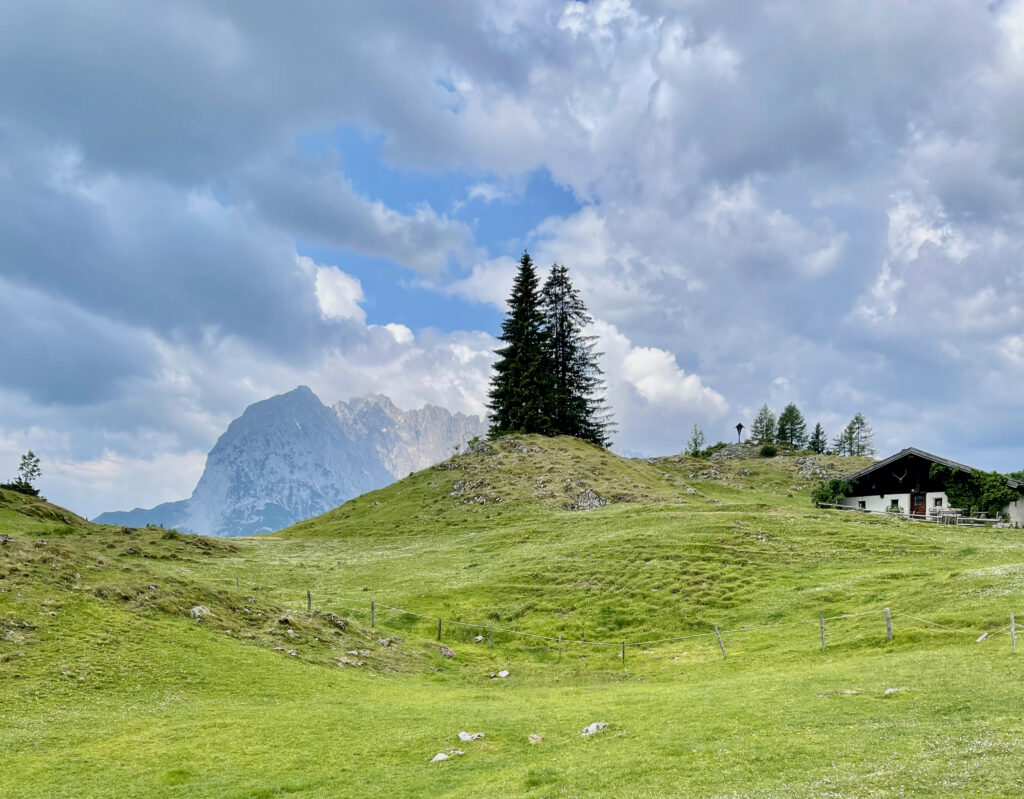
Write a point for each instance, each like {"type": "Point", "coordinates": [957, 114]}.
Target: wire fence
{"type": "Point", "coordinates": [830, 633]}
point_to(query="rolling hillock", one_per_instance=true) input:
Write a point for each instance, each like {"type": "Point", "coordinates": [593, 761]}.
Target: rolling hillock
{"type": "Point", "coordinates": [567, 474]}
{"type": "Point", "coordinates": [60, 573]}
{"type": "Point", "coordinates": [110, 685]}
{"type": "Point", "coordinates": [673, 545]}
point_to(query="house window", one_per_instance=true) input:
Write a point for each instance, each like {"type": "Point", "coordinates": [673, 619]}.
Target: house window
{"type": "Point", "coordinates": [862, 504]}
{"type": "Point", "coordinates": [894, 504]}
{"type": "Point", "coordinates": [937, 502]}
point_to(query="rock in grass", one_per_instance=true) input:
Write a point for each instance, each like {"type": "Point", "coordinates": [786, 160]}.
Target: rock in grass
{"type": "Point", "coordinates": [479, 639]}
{"type": "Point", "coordinates": [891, 691]}
{"type": "Point", "coordinates": [535, 738]}
{"type": "Point", "coordinates": [466, 737]}
{"type": "Point", "coordinates": [592, 729]}
{"type": "Point", "coordinates": [198, 612]}
{"type": "Point", "coordinates": [446, 652]}
{"type": "Point", "coordinates": [337, 621]}
{"type": "Point", "coordinates": [477, 447]}
{"type": "Point", "coordinates": [588, 499]}
{"type": "Point", "coordinates": [439, 757]}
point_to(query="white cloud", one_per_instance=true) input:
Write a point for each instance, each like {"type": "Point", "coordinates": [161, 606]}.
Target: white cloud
{"type": "Point", "coordinates": [401, 333]}
{"type": "Point", "coordinates": [1013, 350]}
{"type": "Point", "coordinates": [488, 193]}
{"type": "Point", "coordinates": [337, 293]}
{"type": "Point", "coordinates": [659, 380]}
{"type": "Point", "coordinates": [488, 282]}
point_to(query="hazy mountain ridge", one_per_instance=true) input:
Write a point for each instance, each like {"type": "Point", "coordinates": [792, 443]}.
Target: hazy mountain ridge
{"type": "Point", "coordinates": [290, 457]}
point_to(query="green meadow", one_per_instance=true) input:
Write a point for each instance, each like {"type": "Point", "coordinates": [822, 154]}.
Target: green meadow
{"type": "Point", "coordinates": [146, 663]}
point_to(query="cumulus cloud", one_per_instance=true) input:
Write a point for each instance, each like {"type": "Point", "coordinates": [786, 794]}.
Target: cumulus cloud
{"type": "Point", "coordinates": [827, 193]}
{"type": "Point", "coordinates": [337, 294]}
{"type": "Point", "coordinates": [487, 282]}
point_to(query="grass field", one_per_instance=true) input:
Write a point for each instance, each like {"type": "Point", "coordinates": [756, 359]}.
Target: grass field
{"type": "Point", "coordinates": [109, 686]}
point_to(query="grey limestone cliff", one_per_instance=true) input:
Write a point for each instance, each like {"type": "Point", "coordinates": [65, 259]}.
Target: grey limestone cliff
{"type": "Point", "coordinates": [290, 457]}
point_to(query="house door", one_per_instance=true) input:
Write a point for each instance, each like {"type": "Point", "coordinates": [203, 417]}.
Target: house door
{"type": "Point", "coordinates": [917, 505]}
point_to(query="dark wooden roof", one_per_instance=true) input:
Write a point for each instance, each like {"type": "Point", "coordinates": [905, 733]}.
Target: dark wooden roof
{"type": "Point", "coordinates": [920, 453]}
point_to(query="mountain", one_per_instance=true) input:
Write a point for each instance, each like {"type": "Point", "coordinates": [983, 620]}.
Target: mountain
{"type": "Point", "coordinates": [290, 457]}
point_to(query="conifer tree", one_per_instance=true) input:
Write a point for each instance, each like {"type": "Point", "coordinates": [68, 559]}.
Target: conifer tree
{"type": "Point", "coordinates": [695, 444]}
{"type": "Point", "coordinates": [857, 438]}
{"type": "Point", "coordinates": [762, 431]}
{"type": "Point", "coordinates": [792, 428]}
{"type": "Point", "coordinates": [521, 385]}
{"type": "Point", "coordinates": [576, 400]}
{"type": "Point", "coordinates": [819, 441]}
{"type": "Point", "coordinates": [860, 436]}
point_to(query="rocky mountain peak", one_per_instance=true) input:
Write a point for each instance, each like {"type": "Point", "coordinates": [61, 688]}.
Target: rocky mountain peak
{"type": "Point", "coordinates": [290, 457]}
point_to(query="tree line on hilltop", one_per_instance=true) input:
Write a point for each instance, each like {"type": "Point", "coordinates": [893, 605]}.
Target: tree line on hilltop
{"type": "Point", "coordinates": [789, 431]}
{"type": "Point", "coordinates": [546, 378]}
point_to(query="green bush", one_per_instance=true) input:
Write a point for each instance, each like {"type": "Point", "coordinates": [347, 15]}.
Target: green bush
{"type": "Point", "coordinates": [707, 453]}
{"type": "Point", "coordinates": [831, 491]}
{"type": "Point", "coordinates": [975, 492]}
{"type": "Point", "coordinates": [769, 451]}
{"type": "Point", "coordinates": [21, 487]}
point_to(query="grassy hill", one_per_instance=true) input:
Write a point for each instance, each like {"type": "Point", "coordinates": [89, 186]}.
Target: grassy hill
{"type": "Point", "coordinates": [109, 686]}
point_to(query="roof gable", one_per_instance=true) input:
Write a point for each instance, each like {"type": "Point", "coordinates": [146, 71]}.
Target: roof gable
{"type": "Point", "coordinates": [920, 453]}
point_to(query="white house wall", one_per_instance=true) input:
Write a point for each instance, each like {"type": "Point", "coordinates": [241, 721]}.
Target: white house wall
{"type": "Point", "coordinates": [880, 503]}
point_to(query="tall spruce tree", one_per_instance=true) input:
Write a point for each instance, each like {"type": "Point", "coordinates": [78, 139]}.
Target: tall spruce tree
{"type": "Point", "coordinates": [576, 404]}
{"type": "Point", "coordinates": [762, 431]}
{"type": "Point", "coordinates": [792, 428]}
{"type": "Point", "coordinates": [521, 386]}
{"type": "Point", "coordinates": [819, 441]}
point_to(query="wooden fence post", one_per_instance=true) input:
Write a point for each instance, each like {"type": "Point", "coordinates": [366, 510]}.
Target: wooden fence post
{"type": "Point", "coordinates": [490, 636]}
{"type": "Point", "coordinates": [1013, 633]}
{"type": "Point", "coordinates": [438, 629]}
{"type": "Point", "coordinates": [888, 624]}
{"type": "Point", "coordinates": [720, 643]}
{"type": "Point", "coordinates": [623, 653]}
{"type": "Point", "coordinates": [559, 646]}
{"type": "Point", "coordinates": [821, 620]}
{"type": "Point", "coordinates": [309, 601]}
{"type": "Point", "coordinates": [373, 614]}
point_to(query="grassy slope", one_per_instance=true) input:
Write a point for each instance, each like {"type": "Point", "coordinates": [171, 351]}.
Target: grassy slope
{"type": "Point", "coordinates": [130, 697]}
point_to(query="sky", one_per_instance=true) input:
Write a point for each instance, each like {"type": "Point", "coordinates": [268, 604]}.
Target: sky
{"type": "Point", "coordinates": [203, 204]}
